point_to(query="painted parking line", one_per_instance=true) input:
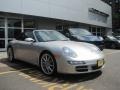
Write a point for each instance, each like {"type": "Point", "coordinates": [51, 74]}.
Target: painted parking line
{"type": "Point", "coordinates": [50, 83]}
{"type": "Point", "coordinates": [115, 52]}
{"type": "Point", "coordinates": [8, 72]}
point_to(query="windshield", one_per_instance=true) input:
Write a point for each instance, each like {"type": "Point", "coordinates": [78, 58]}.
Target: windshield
{"type": "Point", "coordinates": [49, 35]}
{"type": "Point", "coordinates": [112, 37]}
{"type": "Point", "coordinates": [118, 37]}
{"type": "Point", "coordinates": [80, 32]}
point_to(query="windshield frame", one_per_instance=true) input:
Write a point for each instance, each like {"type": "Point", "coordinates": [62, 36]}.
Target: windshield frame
{"type": "Point", "coordinates": [34, 32]}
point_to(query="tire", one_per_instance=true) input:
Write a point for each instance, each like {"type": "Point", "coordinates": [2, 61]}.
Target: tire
{"type": "Point", "coordinates": [48, 64]}
{"type": "Point", "coordinates": [10, 54]}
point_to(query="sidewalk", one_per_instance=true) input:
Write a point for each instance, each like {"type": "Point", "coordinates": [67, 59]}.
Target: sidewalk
{"type": "Point", "coordinates": [3, 55]}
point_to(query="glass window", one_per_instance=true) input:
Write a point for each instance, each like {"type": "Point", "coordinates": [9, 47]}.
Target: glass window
{"type": "Point", "coordinates": [98, 34]}
{"type": "Point", "coordinates": [28, 30]}
{"type": "Point", "coordinates": [49, 36]}
{"type": "Point", "coordinates": [13, 33]}
{"type": "Point", "coordinates": [80, 32]}
{"type": "Point", "coordinates": [2, 33]}
{"type": "Point", "coordinates": [94, 33]}
{"type": "Point", "coordinates": [118, 37]}
{"type": "Point", "coordinates": [58, 27]}
{"type": "Point", "coordinates": [21, 36]}
{"type": "Point", "coordinates": [98, 30]}
{"type": "Point", "coordinates": [14, 23]}
{"type": "Point", "coordinates": [111, 37]}
{"type": "Point", "coordinates": [29, 34]}
{"type": "Point", "coordinates": [93, 29]}
{"type": "Point", "coordinates": [29, 24]}
{"type": "Point", "coordinates": [2, 22]}
{"type": "Point", "coordinates": [2, 43]}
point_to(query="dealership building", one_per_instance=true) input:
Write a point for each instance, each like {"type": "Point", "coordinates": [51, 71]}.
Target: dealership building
{"type": "Point", "coordinates": [17, 16]}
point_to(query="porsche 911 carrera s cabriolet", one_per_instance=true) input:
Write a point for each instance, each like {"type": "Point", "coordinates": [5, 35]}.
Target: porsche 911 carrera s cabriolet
{"type": "Point", "coordinates": [53, 52]}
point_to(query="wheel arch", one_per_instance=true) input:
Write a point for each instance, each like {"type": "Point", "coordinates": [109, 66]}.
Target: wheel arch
{"type": "Point", "coordinates": [47, 51]}
{"type": "Point", "coordinates": [10, 46]}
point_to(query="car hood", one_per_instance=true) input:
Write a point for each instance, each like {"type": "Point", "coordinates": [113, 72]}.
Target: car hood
{"type": "Point", "coordinates": [84, 51]}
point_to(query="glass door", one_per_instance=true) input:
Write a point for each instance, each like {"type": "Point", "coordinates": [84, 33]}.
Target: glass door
{"type": "Point", "coordinates": [2, 34]}
{"type": "Point", "coordinates": [14, 28]}
{"type": "Point", "coordinates": [2, 38]}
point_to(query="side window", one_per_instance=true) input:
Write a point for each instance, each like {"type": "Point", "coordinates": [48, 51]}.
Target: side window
{"type": "Point", "coordinates": [29, 34]}
{"type": "Point", "coordinates": [107, 38]}
{"type": "Point", "coordinates": [21, 37]}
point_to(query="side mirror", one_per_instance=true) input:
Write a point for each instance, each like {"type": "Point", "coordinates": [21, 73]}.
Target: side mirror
{"type": "Point", "coordinates": [29, 40]}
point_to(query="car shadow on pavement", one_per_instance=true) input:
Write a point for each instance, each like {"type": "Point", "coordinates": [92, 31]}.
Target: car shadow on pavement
{"type": "Point", "coordinates": [35, 73]}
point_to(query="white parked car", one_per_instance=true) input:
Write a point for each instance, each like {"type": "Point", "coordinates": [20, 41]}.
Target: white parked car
{"type": "Point", "coordinates": [53, 52]}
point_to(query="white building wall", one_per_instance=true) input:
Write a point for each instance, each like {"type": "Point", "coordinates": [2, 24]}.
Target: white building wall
{"type": "Point", "coordinates": [72, 10]}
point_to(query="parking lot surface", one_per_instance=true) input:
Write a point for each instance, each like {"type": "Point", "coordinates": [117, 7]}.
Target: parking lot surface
{"type": "Point", "coordinates": [23, 76]}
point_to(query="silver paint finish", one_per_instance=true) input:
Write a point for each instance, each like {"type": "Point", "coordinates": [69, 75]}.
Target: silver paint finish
{"type": "Point", "coordinates": [31, 51]}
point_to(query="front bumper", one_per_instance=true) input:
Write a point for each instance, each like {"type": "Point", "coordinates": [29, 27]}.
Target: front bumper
{"type": "Point", "coordinates": [90, 66]}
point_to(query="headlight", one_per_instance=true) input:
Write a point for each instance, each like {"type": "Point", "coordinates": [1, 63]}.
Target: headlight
{"type": "Point", "coordinates": [69, 52]}
{"type": "Point", "coordinates": [76, 62]}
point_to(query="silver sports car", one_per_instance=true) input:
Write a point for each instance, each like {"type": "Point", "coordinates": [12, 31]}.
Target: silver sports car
{"type": "Point", "coordinates": [53, 52]}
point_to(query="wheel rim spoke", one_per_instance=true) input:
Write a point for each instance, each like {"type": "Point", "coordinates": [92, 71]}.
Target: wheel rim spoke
{"type": "Point", "coordinates": [47, 64]}
{"type": "Point", "coordinates": [50, 69]}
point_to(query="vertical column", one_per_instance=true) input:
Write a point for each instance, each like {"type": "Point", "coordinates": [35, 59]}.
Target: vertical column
{"type": "Point", "coordinates": [96, 30]}
{"type": "Point", "coordinates": [22, 22]}
{"type": "Point", "coordinates": [109, 31]}
{"type": "Point", "coordinates": [6, 33]}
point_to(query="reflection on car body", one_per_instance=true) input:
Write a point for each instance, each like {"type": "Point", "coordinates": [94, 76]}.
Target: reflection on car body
{"type": "Point", "coordinates": [53, 52]}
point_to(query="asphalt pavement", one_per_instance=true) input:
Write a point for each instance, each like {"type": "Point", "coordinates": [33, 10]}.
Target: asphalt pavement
{"type": "Point", "coordinates": [23, 76]}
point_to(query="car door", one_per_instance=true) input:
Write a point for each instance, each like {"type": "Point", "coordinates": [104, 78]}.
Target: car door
{"type": "Point", "coordinates": [27, 51]}
{"type": "Point", "coordinates": [18, 47]}
{"type": "Point", "coordinates": [31, 50]}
